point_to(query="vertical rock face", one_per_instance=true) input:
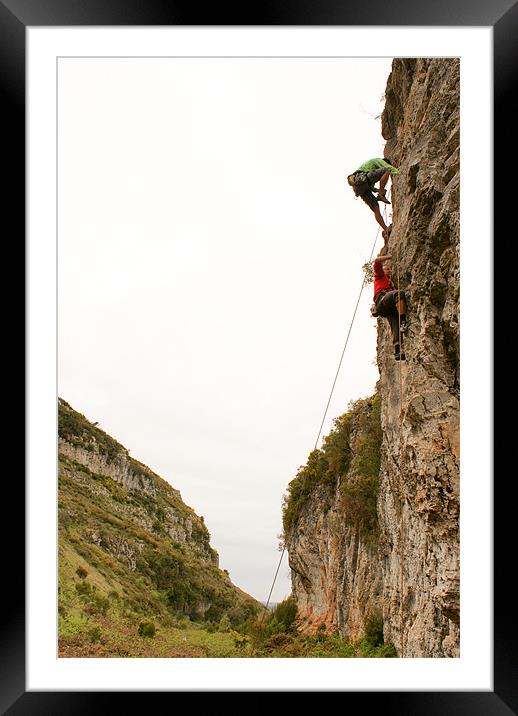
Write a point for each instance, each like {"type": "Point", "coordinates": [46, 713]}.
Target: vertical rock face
{"type": "Point", "coordinates": [410, 571]}
{"type": "Point", "coordinates": [419, 477]}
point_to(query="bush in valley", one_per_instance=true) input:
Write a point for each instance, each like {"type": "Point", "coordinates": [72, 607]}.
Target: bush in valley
{"type": "Point", "coordinates": [374, 629]}
{"type": "Point", "coordinates": [284, 616]}
{"type": "Point", "coordinates": [147, 629]}
{"type": "Point", "coordinates": [240, 640]}
{"type": "Point", "coordinates": [281, 620]}
{"type": "Point", "coordinates": [95, 603]}
{"type": "Point", "coordinates": [383, 651]}
{"type": "Point", "coordinates": [224, 624]}
{"type": "Point", "coordinates": [214, 614]}
{"type": "Point", "coordinates": [240, 613]}
{"type": "Point", "coordinates": [94, 634]}
{"type": "Point", "coordinates": [372, 643]}
{"type": "Point", "coordinates": [83, 588]}
{"type": "Point", "coordinates": [279, 640]}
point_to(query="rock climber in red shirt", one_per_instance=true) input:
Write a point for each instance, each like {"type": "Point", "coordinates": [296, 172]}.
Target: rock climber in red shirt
{"type": "Point", "coordinates": [388, 304]}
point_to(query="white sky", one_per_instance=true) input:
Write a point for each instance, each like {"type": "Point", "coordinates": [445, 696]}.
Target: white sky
{"type": "Point", "coordinates": [209, 259]}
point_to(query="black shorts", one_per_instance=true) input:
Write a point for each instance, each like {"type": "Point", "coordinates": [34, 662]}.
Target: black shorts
{"type": "Point", "coordinates": [376, 174]}
{"type": "Point", "coordinates": [386, 302]}
{"type": "Point", "coordinates": [363, 183]}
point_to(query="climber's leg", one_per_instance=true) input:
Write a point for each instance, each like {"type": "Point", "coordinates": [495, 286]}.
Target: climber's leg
{"type": "Point", "coordinates": [371, 201]}
{"type": "Point", "coordinates": [393, 319]}
{"type": "Point", "coordinates": [381, 222]}
{"type": "Point", "coordinates": [382, 176]}
{"type": "Point", "coordinates": [383, 182]}
{"type": "Point", "coordinates": [401, 307]}
{"type": "Point", "coordinates": [387, 307]}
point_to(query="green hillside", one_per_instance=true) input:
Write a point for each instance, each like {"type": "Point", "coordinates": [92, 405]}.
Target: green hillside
{"type": "Point", "coordinates": [131, 553]}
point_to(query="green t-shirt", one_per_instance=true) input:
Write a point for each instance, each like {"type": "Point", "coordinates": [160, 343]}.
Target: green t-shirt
{"type": "Point", "coordinates": [376, 163]}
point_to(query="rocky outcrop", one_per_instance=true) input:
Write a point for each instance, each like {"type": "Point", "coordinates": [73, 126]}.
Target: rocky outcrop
{"type": "Point", "coordinates": [412, 572]}
{"type": "Point", "coordinates": [333, 553]}
{"type": "Point", "coordinates": [118, 468]}
{"type": "Point", "coordinates": [92, 459]}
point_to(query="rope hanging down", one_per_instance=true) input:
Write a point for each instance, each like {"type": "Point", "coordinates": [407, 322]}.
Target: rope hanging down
{"type": "Point", "coordinates": [327, 406]}
{"type": "Point", "coordinates": [345, 346]}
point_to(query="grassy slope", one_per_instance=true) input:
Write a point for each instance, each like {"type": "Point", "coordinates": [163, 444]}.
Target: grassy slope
{"type": "Point", "coordinates": [119, 566]}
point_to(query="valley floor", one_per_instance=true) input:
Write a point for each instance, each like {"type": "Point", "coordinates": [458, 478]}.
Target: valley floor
{"type": "Point", "coordinates": [119, 638]}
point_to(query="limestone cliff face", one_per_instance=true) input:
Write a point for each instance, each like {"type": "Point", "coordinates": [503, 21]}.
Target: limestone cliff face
{"type": "Point", "coordinates": [333, 547]}
{"type": "Point", "coordinates": [412, 572]}
{"type": "Point", "coordinates": [419, 477]}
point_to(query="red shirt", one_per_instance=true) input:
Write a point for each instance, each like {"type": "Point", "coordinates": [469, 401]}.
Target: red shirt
{"type": "Point", "coordinates": [381, 281]}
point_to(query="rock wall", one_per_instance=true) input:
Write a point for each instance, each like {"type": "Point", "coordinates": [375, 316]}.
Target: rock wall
{"type": "Point", "coordinates": [411, 574]}
{"type": "Point", "coordinates": [419, 477]}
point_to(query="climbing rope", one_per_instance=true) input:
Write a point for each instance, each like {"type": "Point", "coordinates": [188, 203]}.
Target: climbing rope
{"type": "Point", "coordinates": [345, 346]}
{"type": "Point", "coordinates": [327, 408]}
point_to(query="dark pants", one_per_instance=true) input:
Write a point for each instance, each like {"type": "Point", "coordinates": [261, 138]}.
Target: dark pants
{"type": "Point", "coordinates": [386, 306]}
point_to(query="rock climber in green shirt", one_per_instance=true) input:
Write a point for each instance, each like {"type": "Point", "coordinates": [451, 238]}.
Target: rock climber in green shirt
{"type": "Point", "coordinates": [362, 181]}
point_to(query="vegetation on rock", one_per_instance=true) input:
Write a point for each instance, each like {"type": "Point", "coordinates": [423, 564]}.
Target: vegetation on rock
{"type": "Point", "coordinates": [350, 455]}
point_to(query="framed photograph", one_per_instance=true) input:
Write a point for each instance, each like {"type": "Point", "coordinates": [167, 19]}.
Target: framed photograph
{"type": "Point", "coordinates": [188, 225]}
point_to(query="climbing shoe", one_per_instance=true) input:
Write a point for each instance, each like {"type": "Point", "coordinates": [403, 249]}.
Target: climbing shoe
{"type": "Point", "coordinates": [381, 197]}
{"type": "Point", "coordinates": [403, 327]}
{"type": "Point", "coordinates": [397, 354]}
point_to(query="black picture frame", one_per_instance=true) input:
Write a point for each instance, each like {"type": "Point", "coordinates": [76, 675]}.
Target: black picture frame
{"type": "Point", "coordinates": [15, 17]}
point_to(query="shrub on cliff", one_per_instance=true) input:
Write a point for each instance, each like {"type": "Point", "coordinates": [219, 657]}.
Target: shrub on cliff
{"type": "Point", "coordinates": [361, 490]}
{"type": "Point", "coordinates": [76, 429]}
{"type": "Point", "coordinates": [324, 467]}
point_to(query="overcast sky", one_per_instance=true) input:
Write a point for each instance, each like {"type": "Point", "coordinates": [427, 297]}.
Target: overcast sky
{"type": "Point", "coordinates": [209, 258]}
